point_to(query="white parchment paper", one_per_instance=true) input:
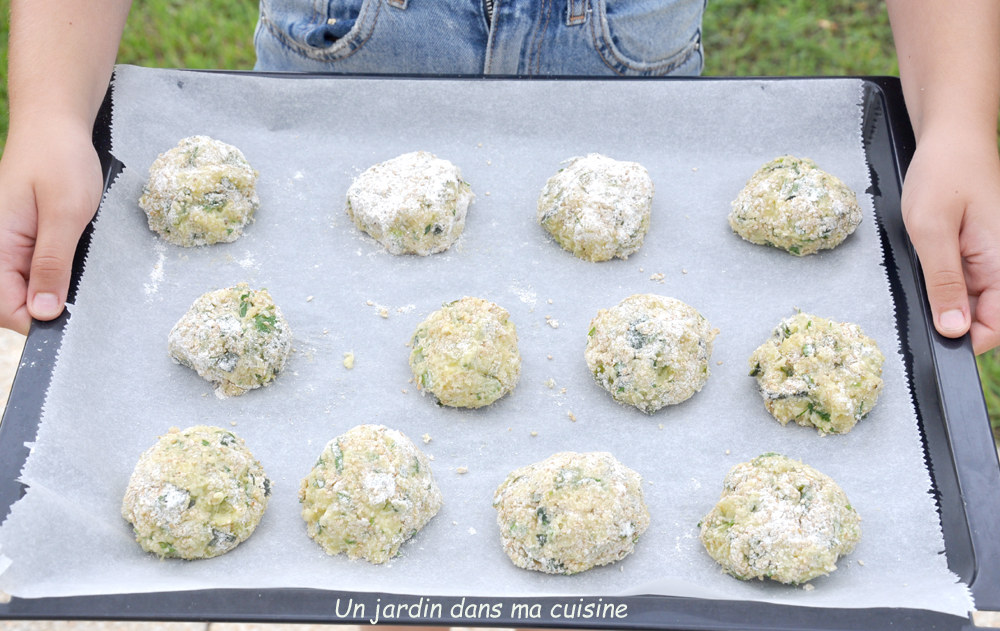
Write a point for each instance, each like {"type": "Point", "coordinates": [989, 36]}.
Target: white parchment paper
{"type": "Point", "coordinates": [114, 389]}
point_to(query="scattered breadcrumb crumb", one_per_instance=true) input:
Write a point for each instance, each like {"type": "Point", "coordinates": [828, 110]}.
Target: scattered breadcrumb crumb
{"type": "Point", "coordinates": [325, 331]}
{"type": "Point", "coordinates": [427, 438]}
{"type": "Point", "coordinates": [571, 416]}
{"type": "Point", "coordinates": [650, 481]}
{"type": "Point", "coordinates": [480, 144]}
{"type": "Point", "coordinates": [349, 360]}
{"type": "Point", "coordinates": [430, 457]}
{"type": "Point", "coordinates": [204, 394]}
{"type": "Point", "coordinates": [534, 433]}
{"type": "Point", "coordinates": [727, 452]}
{"type": "Point", "coordinates": [462, 470]}
{"type": "Point", "coordinates": [551, 383]}
{"type": "Point", "coordinates": [309, 299]}
{"type": "Point", "coordinates": [563, 391]}
{"type": "Point", "coordinates": [683, 271]}
{"type": "Point", "coordinates": [403, 390]}
{"type": "Point", "coordinates": [694, 168]}
{"type": "Point", "coordinates": [656, 276]}
{"type": "Point", "coordinates": [550, 356]}
{"type": "Point", "coordinates": [454, 523]}
{"type": "Point", "coordinates": [718, 363]}
{"type": "Point", "coordinates": [488, 162]}
{"type": "Point", "coordinates": [808, 587]}
{"type": "Point", "coordinates": [641, 270]}
{"type": "Point", "coordinates": [384, 312]}
{"type": "Point", "coordinates": [548, 317]}
{"type": "Point", "coordinates": [487, 193]}
{"type": "Point", "coordinates": [550, 301]}
{"type": "Point", "coordinates": [509, 429]}
{"type": "Point", "coordinates": [860, 562]}
{"type": "Point", "coordinates": [554, 324]}
{"type": "Point", "coordinates": [369, 303]}
{"type": "Point", "coordinates": [660, 426]}
{"type": "Point", "coordinates": [233, 423]}
{"type": "Point", "coordinates": [472, 530]}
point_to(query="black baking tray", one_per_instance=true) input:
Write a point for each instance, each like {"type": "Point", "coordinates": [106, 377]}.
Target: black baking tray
{"type": "Point", "coordinates": [944, 379]}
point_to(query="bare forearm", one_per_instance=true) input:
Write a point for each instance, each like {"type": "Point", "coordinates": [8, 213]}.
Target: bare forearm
{"type": "Point", "coordinates": [61, 56]}
{"type": "Point", "coordinates": [949, 62]}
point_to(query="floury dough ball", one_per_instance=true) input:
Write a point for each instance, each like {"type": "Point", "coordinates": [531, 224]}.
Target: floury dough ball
{"type": "Point", "coordinates": [465, 353]}
{"type": "Point", "coordinates": [650, 351]}
{"type": "Point", "coordinates": [370, 491]}
{"type": "Point", "coordinates": [570, 512]}
{"type": "Point", "coordinates": [202, 191]}
{"type": "Point", "coordinates": [413, 204]}
{"type": "Point", "coordinates": [780, 519]}
{"type": "Point", "coordinates": [790, 203]}
{"type": "Point", "coordinates": [195, 494]}
{"type": "Point", "coordinates": [818, 372]}
{"type": "Point", "coordinates": [597, 208]}
{"type": "Point", "coordinates": [235, 337]}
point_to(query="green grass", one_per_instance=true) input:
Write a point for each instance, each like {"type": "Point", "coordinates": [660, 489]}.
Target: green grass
{"type": "Point", "coordinates": [787, 37]}
{"type": "Point", "coordinates": [190, 34]}
{"type": "Point", "coordinates": [798, 37]}
{"type": "Point", "coordinates": [989, 373]}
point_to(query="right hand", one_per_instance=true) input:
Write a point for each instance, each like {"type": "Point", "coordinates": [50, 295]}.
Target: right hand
{"type": "Point", "coordinates": [50, 188]}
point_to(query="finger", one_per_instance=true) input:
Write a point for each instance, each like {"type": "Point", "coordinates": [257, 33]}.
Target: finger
{"type": "Point", "coordinates": [938, 249]}
{"type": "Point", "coordinates": [52, 262]}
{"type": "Point", "coordinates": [14, 314]}
{"type": "Point", "coordinates": [985, 328]}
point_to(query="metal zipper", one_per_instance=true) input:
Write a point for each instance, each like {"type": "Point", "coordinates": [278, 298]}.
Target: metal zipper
{"type": "Point", "coordinates": [488, 10]}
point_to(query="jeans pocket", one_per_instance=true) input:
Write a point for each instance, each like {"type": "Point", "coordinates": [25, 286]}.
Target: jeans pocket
{"type": "Point", "coordinates": [323, 30]}
{"type": "Point", "coordinates": [644, 38]}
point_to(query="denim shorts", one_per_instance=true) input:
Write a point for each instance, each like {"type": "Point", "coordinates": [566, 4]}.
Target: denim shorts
{"type": "Point", "coordinates": [477, 37]}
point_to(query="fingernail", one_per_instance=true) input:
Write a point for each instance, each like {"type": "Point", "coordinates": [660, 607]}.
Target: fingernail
{"type": "Point", "coordinates": [46, 305]}
{"type": "Point", "coordinates": [953, 320]}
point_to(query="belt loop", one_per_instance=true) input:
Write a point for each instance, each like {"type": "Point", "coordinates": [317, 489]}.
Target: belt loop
{"type": "Point", "coordinates": [399, 4]}
{"type": "Point", "coordinates": [576, 12]}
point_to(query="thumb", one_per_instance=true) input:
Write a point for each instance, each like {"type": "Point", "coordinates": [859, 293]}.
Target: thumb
{"type": "Point", "coordinates": [941, 260]}
{"type": "Point", "coordinates": [51, 264]}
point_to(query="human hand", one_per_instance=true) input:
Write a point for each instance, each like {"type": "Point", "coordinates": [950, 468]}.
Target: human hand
{"type": "Point", "coordinates": [951, 208]}
{"type": "Point", "coordinates": [50, 187]}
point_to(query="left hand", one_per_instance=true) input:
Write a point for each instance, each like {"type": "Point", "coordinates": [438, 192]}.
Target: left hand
{"type": "Point", "coordinates": [951, 208]}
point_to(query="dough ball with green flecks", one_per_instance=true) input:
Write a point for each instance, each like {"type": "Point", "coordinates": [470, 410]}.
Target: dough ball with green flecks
{"type": "Point", "coordinates": [370, 491]}
{"type": "Point", "coordinates": [195, 494]}
{"type": "Point", "coordinates": [413, 204]}
{"type": "Point", "coordinates": [780, 519]}
{"type": "Point", "coordinates": [792, 204]}
{"type": "Point", "coordinates": [202, 191]}
{"type": "Point", "coordinates": [235, 337]}
{"type": "Point", "coordinates": [818, 372]}
{"type": "Point", "coordinates": [465, 353]}
{"type": "Point", "coordinates": [570, 512]}
{"type": "Point", "coordinates": [650, 351]}
{"type": "Point", "coordinates": [597, 207]}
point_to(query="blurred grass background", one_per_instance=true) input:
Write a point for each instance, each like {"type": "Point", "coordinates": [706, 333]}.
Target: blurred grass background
{"type": "Point", "coordinates": [784, 37]}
